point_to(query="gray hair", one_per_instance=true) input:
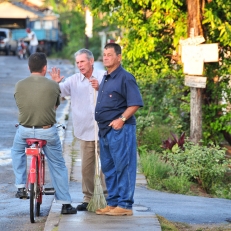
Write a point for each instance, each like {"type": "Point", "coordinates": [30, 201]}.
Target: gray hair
{"type": "Point", "coordinates": [85, 51]}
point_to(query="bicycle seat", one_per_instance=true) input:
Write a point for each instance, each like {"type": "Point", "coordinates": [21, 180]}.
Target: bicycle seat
{"type": "Point", "coordinates": [31, 141]}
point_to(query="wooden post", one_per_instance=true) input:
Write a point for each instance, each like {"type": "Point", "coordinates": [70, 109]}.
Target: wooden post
{"type": "Point", "coordinates": [195, 29]}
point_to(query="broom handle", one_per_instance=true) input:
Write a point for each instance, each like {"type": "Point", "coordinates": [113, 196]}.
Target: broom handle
{"type": "Point", "coordinates": [96, 150]}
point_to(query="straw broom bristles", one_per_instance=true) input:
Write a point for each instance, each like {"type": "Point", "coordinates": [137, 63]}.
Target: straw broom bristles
{"type": "Point", "coordinates": [98, 200]}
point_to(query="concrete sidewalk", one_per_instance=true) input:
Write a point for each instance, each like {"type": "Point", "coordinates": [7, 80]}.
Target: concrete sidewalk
{"type": "Point", "coordinates": [142, 220]}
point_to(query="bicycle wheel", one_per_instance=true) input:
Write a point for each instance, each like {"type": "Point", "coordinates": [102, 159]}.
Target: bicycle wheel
{"type": "Point", "coordinates": [33, 203]}
{"type": "Point", "coordinates": [34, 193]}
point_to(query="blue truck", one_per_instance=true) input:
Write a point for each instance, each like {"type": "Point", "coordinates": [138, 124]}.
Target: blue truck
{"type": "Point", "coordinates": [48, 39]}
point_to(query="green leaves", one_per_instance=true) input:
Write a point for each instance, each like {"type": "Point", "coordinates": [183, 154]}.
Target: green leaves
{"type": "Point", "coordinates": [205, 165]}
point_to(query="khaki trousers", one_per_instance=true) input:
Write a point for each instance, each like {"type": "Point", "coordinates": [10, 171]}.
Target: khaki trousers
{"type": "Point", "coordinates": [87, 150]}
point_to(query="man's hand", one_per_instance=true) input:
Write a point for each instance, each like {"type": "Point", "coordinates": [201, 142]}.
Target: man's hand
{"type": "Point", "coordinates": [55, 74]}
{"type": "Point", "coordinates": [94, 83]}
{"type": "Point", "coordinates": [117, 124]}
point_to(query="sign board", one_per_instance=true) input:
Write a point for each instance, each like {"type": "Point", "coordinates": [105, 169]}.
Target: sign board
{"type": "Point", "coordinates": [195, 81]}
{"type": "Point", "coordinates": [194, 66]}
{"type": "Point", "coordinates": [194, 56]}
{"type": "Point", "coordinates": [192, 59]}
{"type": "Point", "coordinates": [196, 40]}
{"type": "Point", "coordinates": [210, 52]}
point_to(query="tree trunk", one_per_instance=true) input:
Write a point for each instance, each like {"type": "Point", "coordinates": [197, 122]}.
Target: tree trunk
{"type": "Point", "coordinates": [195, 8]}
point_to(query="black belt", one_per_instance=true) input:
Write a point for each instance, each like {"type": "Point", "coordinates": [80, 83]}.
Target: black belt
{"type": "Point", "coordinates": [43, 127]}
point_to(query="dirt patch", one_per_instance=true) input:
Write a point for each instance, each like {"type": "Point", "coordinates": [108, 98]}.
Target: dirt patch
{"type": "Point", "coordinates": [196, 190]}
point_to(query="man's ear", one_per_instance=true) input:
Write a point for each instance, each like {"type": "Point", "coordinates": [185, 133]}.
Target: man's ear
{"type": "Point", "coordinates": [44, 70]}
{"type": "Point", "coordinates": [119, 57]}
{"type": "Point", "coordinates": [92, 61]}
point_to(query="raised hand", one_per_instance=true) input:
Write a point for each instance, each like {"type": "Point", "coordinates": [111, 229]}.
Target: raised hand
{"type": "Point", "coordinates": [55, 74]}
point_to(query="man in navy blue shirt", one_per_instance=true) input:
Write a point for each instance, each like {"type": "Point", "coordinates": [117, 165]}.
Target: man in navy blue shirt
{"type": "Point", "coordinates": [118, 99]}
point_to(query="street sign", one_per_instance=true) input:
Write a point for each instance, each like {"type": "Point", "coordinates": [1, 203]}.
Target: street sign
{"type": "Point", "coordinates": [210, 52]}
{"type": "Point", "coordinates": [194, 54]}
{"type": "Point", "coordinates": [195, 81]}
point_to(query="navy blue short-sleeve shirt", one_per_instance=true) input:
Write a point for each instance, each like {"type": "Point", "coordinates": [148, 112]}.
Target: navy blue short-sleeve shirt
{"type": "Point", "coordinates": [117, 91]}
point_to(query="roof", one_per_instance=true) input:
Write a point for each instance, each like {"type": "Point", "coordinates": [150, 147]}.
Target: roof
{"type": "Point", "coordinates": [9, 10]}
{"type": "Point", "coordinates": [21, 11]}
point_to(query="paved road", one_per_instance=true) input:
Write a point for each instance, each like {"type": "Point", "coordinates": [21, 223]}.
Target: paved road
{"type": "Point", "coordinates": [14, 213]}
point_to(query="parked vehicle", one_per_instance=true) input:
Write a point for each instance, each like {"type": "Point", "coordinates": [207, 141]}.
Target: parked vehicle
{"type": "Point", "coordinates": [7, 43]}
{"type": "Point", "coordinates": [47, 32]}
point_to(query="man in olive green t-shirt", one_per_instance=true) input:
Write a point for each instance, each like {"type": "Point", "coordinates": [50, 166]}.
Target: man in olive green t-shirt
{"type": "Point", "coordinates": [37, 99]}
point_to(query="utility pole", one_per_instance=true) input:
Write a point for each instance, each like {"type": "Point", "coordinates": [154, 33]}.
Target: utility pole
{"type": "Point", "coordinates": [195, 10]}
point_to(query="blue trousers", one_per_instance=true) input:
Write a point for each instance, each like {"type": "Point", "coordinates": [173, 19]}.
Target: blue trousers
{"type": "Point", "coordinates": [118, 158]}
{"type": "Point", "coordinates": [53, 152]}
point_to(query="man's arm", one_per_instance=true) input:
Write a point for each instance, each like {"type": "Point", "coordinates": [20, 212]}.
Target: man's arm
{"type": "Point", "coordinates": [55, 74]}
{"type": "Point", "coordinates": [118, 123]}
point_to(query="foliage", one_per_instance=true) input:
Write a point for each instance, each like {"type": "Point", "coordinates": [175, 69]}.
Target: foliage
{"type": "Point", "coordinates": [72, 20]}
{"type": "Point", "coordinates": [205, 165]}
{"type": "Point", "coordinates": [150, 34]}
{"type": "Point", "coordinates": [177, 184]}
{"type": "Point", "coordinates": [165, 105]}
{"type": "Point", "coordinates": [154, 169]}
{"type": "Point", "coordinates": [160, 175]}
{"type": "Point", "coordinates": [166, 225]}
{"type": "Point", "coordinates": [150, 133]}
{"type": "Point", "coordinates": [170, 142]}
{"type": "Point", "coordinates": [222, 190]}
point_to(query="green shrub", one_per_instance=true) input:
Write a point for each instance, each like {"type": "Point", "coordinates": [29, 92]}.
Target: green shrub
{"type": "Point", "coordinates": [205, 165]}
{"type": "Point", "coordinates": [177, 184]}
{"type": "Point", "coordinates": [151, 133]}
{"type": "Point", "coordinates": [154, 169]}
{"type": "Point", "coordinates": [222, 190]}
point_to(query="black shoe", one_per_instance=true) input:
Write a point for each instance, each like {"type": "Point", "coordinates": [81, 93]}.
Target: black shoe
{"type": "Point", "coordinates": [21, 193]}
{"type": "Point", "coordinates": [82, 207]}
{"type": "Point", "coordinates": [68, 209]}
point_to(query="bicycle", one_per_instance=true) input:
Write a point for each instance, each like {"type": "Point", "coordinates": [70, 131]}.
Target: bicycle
{"type": "Point", "coordinates": [36, 175]}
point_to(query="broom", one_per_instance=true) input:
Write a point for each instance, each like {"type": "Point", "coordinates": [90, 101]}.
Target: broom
{"type": "Point", "coordinates": [98, 200]}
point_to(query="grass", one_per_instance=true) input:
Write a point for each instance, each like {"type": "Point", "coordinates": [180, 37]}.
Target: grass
{"type": "Point", "coordinates": [177, 226]}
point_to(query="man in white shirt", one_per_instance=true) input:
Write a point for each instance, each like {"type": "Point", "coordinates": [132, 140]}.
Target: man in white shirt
{"type": "Point", "coordinates": [82, 87]}
{"type": "Point", "coordinates": [33, 41]}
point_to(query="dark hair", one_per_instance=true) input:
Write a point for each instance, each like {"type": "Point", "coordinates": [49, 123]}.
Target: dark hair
{"type": "Point", "coordinates": [37, 61]}
{"type": "Point", "coordinates": [115, 46]}
{"type": "Point", "coordinates": [85, 51]}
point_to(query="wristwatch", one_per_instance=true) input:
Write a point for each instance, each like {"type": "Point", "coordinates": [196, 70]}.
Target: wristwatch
{"type": "Point", "coordinates": [123, 118]}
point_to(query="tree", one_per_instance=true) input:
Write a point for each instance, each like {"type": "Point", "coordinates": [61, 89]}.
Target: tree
{"type": "Point", "coordinates": [72, 19]}
{"type": "Point", "coordinates": [151, 32]}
